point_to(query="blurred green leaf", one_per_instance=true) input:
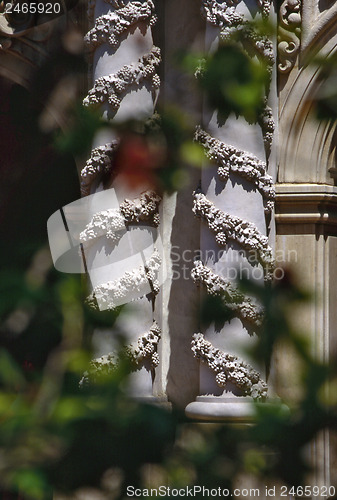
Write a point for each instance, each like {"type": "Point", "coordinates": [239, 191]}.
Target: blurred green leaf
{"type": "Point", "coordinates": [10, 373]}
{"type": "Point", "coordinates": [325, 98]}
{"type": "Point", "coordinates": [234, 83]}
{"type": "Point", "coordinates": [193, 154]}
{"type": "Point", "coordinates": [84, 124]}
{"type": "Point", "coordinates": [32, 482]}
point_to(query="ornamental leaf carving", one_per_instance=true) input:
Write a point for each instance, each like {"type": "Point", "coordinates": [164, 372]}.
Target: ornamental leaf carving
{"type": "Point", "coordinates": [289, 34]}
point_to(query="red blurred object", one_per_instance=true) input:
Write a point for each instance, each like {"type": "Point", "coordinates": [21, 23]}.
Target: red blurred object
{"type": "Point", "coordinates": [138, 159]}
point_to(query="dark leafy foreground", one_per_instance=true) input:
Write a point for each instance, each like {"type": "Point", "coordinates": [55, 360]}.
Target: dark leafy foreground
{"type": "Point", "coordinates": [56, 436]}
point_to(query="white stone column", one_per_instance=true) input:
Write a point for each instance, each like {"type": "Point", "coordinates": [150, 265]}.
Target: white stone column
{"type": "Point", "coordinates": [125, 86]}
{"type": "Point", "coordinates": [234, 203]}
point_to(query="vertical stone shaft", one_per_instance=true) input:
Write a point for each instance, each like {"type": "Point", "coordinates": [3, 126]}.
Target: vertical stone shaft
{"type": "Point", "coordinates": [125, 86]}
{"type": "Point", "coordinates": [234, 203]}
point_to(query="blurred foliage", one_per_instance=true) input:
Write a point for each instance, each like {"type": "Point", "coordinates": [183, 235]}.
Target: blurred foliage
{"type": "Point", "coordinates": [326, 95]}
{"type": "Point", "coordinates": [234, 82]}
{"type": "Point", "coordinates": [235, 77]}
{"type": "Point", "coordinates": [55, 436]}
{"type": "Point", "coordinates": [85, 123]}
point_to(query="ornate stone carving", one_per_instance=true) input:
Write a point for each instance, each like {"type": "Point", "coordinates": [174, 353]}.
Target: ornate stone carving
{"type": "Point", "coordinates": [265, 6]}
{"type": "Point", "coordinates": [246, 32]}
{"type": "Point", "coordinates": [142, 209]}
{"type": "Point", "coordinates": [109, 27]}
{"type": "Point", "coordinates": [319, 25]}
{"type": "Point", "coordinates": [289, 34]}
{"type": "Point", "coordinates": [231, 159]}
{"type": "Point", "coordinates": [230, 227]}
{"type": "Point", "coordinates": [233, 26]}
{"type": "Point", "coordinates": [242, 306]}
{"type": "Point", "coordinates": [224, 14]}
{"type": "Point", "coordinates": [229, 369]}
{"type": "Point", "coordinates": [221, 14]}
{"type": "Point", "coordinates": [100, 162]}
{"type": "Point", "coordinates": [111, 222]}
{"type": "Point", "coordinates": [144, 352]}
{"type": "Point", "coordinates": [107, 223]}
{"type": "Point", "coordinates": [110, 294]}
{"type": "Point", "coordinates": [267, 124]}
{"type": "Point", "coordinates": [118, 4]}
{"type": "Point", "coordinates": [110, 88]}
{"type": "Point", "coordinates": [146, 348]}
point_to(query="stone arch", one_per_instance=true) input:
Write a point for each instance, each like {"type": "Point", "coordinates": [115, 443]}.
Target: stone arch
{"type": "Point", "coordinates": [307, 145]}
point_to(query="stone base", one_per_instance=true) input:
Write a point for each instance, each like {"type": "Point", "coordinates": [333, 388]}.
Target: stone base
{"type": "Point", "coordinates": [221, 409]}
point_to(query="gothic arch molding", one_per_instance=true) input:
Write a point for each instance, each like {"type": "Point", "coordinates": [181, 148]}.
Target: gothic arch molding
{"type": "Point", "coordinates": [306, 144]}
